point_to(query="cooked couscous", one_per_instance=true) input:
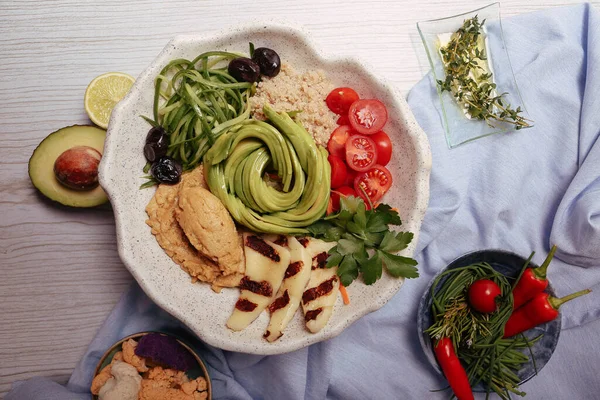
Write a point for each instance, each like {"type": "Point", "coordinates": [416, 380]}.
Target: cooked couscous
{"type": "Point", "coordinates": [294, 91]}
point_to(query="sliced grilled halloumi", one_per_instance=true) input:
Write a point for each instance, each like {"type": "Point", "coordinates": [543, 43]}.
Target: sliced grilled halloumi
{"type": "Point", "coordinates": [290, 292]}
{"type": "Point", "coordinates": [322, 289]}
{"type": "Point", "coordinates": [266, 264]}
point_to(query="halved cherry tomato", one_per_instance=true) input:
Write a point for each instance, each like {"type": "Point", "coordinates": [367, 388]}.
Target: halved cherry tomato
{"type": "Point", "coordinates": [343, 120]}
{"type": "Point", "coordinates": [384, 147]}
{"type": "Point", "coordinates": [335, 196]}
{"type": "Point", "coordinates": [337, 141]}
{"type": "Point", "coordinates": [338, 171]}
{"type": "Point", "coordinates": [340, 99]}
{"type": "Point", "coordinates": [375, 182]}
{"type": "Point", "coordinates": [361, 152]}
{"type": "Point", "coordinates": [367, 116]}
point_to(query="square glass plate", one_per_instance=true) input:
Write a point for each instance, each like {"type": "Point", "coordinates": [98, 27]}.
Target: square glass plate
{"type": "Point", "coordinates": [460, 129]}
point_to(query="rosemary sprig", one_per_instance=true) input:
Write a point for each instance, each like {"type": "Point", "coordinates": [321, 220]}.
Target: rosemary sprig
{"type": "Point", "coordinates": [469, 82]}
{"type": "Point", "coordinates": [458, 321]}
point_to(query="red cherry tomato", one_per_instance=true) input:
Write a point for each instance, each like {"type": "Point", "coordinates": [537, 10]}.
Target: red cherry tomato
{"type": "Point", "coordinates": [338, 171]}
{"type": "Point", "coordinates": [343, 120]}
{"type": "Point", "coordinates": [482, 295]}
{"type": "Point", "coordinates": [375, 182]}
{"type": "Point", "coordinates": [340, 99]}
{"type": "Point", "coordinates": [350, 175]}
{"type": "Point", "coordinates": [341, 191]}
{"type": "Point", "coordinates": [361, 152]}
{"type": "Point", "coordinates": [367, 116]}
{"type": "Point", "coordinates": [384, 147]}
{"type": "Point", "coordinates": [337, 142]}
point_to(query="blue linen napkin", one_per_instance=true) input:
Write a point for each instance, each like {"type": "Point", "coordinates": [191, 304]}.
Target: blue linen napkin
{"type": "Point", "coordinates": [520, 191]}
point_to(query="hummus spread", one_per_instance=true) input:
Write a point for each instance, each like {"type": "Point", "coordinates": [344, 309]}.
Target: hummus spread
{"type": "Point", "coordinates": [199, 258]}
{"type": "Point", "coordinates": [210, 229]}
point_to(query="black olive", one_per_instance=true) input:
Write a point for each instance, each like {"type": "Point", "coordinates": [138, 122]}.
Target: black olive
{"type": "Point", "coordinates": [157, 144]}
{"type": "Point", "coordinates": [244, 69]}
{"type": "Point", "coordinates": [155, 134]}
{"type": "Point", "coordinates": [268, 61]}
{"type": "Point", "coordinates": [166, 170]}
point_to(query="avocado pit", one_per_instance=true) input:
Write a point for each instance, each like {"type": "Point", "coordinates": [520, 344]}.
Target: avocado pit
{"type": "Point", "coordinates": [77, 168]}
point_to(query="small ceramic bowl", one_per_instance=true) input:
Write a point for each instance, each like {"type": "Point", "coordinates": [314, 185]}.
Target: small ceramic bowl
{"type": "Point", "coordinates": [510, 265]}
{"type": "Point", "coordinates": [194, 373]}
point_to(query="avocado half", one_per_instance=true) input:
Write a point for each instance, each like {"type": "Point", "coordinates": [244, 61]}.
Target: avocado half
{"type": "Point", "coordinates": [41, 165]}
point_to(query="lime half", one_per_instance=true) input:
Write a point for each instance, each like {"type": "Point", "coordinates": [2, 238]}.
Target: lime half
{"type": "Point", "coordinates": [103, 93]}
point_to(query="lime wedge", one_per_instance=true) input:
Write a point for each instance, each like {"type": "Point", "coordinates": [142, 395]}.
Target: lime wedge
{"type": "Point", "coordinates": [103, 93]}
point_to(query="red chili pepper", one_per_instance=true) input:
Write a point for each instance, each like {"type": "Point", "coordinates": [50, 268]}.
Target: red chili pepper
{"type": "Point", "coordinates": [542, 308]}
{"type": "Point", "coordinates": [532, 282]}
{"type": "Point", "coordinates": [453, 369]}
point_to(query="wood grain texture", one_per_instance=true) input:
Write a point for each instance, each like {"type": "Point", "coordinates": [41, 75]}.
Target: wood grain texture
{"type": "Point", "coordinates": [60, 273]}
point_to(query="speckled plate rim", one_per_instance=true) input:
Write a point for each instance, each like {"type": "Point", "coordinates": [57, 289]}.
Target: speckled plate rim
{"type": "Point", "coordinates": [411, 221]}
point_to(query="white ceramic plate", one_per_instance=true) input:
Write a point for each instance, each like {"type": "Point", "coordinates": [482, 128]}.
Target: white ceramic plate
{"type": "Point", "coordinates": [202, 310]}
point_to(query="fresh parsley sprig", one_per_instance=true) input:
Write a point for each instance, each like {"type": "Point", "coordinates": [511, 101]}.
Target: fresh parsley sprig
{"type": "Point", "coordinates": [365, 242]}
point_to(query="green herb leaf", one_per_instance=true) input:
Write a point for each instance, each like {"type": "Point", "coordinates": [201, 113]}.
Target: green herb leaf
{"type": "Point", "coordinates": [360, 217]}
{"type": "Point", "coordinates": [334, 258]}
{"type": "Point", "coordinates": [372, 269]}
{"type": "Point", "coordinates": [333, 234]}
{"type": "Point", "coordinates": [374, 238]}
{"type": "Point", "coordinates": [361, 256]}
{"type": "Point", "coordinates": [347, 246]}
{"type": "Point", "coordinates": [353, 227]}
{"type": "Point", "coordinates": [348, 270]}
{"type": "Point", "coordinates": [377, 222]}
{"type": "Point", "coordinates": [365, 242]}
{"type": "Point", "coordinates": [319, 228]}
{"type": "Point", "coordinates": [391, 215]}
{"type": "Point", "coordinates": [350, 203]}
{"type": "Point", "coordinates": [393, 243]}
{"type": "Point", "coordinates": [399, 266]}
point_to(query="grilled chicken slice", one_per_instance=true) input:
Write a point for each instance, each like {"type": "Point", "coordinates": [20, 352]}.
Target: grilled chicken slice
{"type": "Point", "coordinates": [266, 264]}
{"type": "Point", "coordinates": [288, 297]}
{"type": "Point", "coordinates": [322, 289]}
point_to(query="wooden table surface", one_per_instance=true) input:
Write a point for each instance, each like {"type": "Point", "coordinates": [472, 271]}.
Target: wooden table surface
{"type": "Point", "coordinates": [60, 273]}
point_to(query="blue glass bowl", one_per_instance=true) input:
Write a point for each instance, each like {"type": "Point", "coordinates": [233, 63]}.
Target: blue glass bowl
{"type": "Point", "coordinates": [510, 265]}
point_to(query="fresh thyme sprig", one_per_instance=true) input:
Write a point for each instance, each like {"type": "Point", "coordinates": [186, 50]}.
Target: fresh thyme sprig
{"type": "Point", "coordinates": [470, 83]}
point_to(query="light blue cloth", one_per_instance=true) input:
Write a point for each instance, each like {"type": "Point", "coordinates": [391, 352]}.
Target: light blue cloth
{"type": "Point", "coordinates": [520, 191]}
